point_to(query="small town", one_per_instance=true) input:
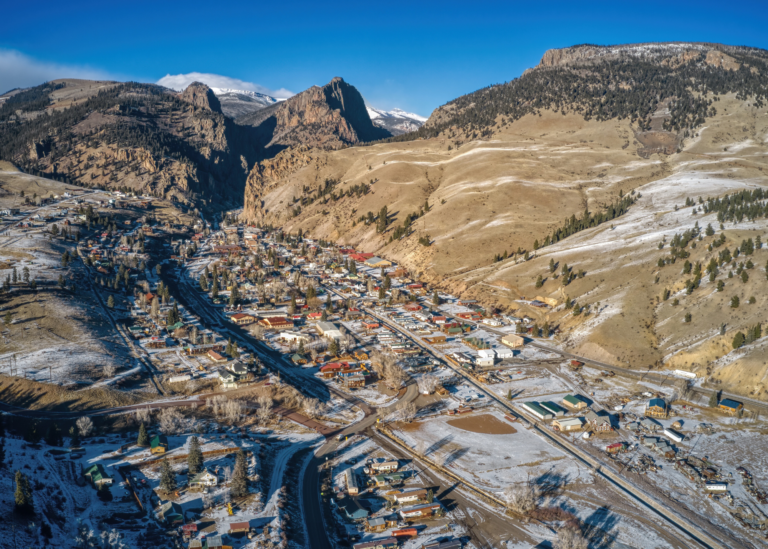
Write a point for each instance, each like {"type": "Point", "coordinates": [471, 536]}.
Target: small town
{"type": "Point", "coordinates": [294, 376]}
{"type": "Point", "coordinates": [378, 276]}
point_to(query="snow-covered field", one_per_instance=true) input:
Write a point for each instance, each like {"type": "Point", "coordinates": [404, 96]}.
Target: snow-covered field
{"type": "Point", "coordinates": [492, 461]}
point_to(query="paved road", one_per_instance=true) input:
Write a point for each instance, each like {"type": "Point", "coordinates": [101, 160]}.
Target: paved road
{"type": "Point", "coordinates": [313, 505]}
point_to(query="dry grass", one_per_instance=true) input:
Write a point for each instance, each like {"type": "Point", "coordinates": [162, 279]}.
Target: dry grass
{"type": "Point", "coordinates": [25, 393]}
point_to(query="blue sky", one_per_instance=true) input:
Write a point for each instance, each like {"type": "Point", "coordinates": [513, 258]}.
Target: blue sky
{"type": "Point", "coordinates": [412, 55]}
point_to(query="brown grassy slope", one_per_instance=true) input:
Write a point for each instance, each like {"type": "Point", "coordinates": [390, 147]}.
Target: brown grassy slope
{"type": "Point", "coordinates": [504, 193]}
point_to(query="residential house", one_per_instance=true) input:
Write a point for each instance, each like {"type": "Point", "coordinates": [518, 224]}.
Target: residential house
{"type": "Point", "coordinates": [410, 496]}
{"type": "Point", "coordinates": [512, 340]}
{"type": "Point", "coordinates": [170, 513]}
{"type": "Point", "coordinates": [227, 378]}
{"type": "Point", "coordinates": [215, 357]}
{"type": "Point", "coordinates": [204, 479]}
{"type": "Point", "coordinates": [385, 467]}
{"type": "Point", "coordinates": [355, 380]}
{"type": "Point", "coordinates": [649, 424]}
{"type": "Point", "coordinates": [97, 476]}
{"type": "Point", "coordinates": [238, 368]}
{"type": "Point", "coordinates": [656, 407]}
{"type": "Point", "coordinates": [352, 509]}
{"type": "Point", "coordinates": [158, 444]}
{"type": "Point", "coordinates": [377, 524]}
{"type": "Point", "coordinates": [351, 480]}
{"type": "Point", "coordinates": [384, 543]}
{"type": "Point", "coordinates": [599, 422]}
{"type": "Point", "coordinates": [424, 510]}
{"type": "Point", "coordinates": [215, 542]}
{"type": "Point", "coordinates": [239, 527]}
{"type": "Point", "coordinates": [333, 369]}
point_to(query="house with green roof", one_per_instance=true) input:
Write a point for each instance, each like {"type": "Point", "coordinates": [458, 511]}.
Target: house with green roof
{"type": "Point", "coordinates": [96, 475]}
{"type": "Point", "coordinates": [158, 444]}
{"type": "Point", "coordinates": [170, 513]}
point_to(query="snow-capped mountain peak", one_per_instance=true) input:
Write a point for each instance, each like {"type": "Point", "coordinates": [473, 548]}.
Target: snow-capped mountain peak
{"type": "Point", "coordinates": [247, 93]}
{"type": "Point", "coordinates": [396, 121]}
{"type": "Point", "coordinates": [235, 103]}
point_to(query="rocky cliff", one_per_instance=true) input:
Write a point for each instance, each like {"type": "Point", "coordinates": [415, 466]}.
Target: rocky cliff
{"type": "Point", "coordinates": [136, 136]}
{"type": "Point", "coordinates": [328, 117]}
{"type": "Point", "coordinates": [200, 95]}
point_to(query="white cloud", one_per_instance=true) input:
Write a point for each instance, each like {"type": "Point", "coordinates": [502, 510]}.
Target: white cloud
{"type": "Point", "coordinates": [181, 81]}
{"type": "Point", "coordinates": [21, 71]}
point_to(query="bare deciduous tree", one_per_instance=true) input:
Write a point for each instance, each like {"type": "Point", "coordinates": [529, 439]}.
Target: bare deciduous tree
{"type": "Point", "coordinates": [311, 407]}
{"type": "Point", "coordinates": [257, 331]}
{"type": "Point", "coordinates": [234, 410]}
{"type": "Point", "coordinates": [406, 411]}
{"type": "Point", "coordinates": [522, 498]}
{"type": "Point", "coordinates": [427, 384]}
{"type": "Point", "coordinates": [109, 370]}
{"type": "Point", "coordinates": [84, 426]}
{"type": "Point", "coordinates": [264, 412]}
{"type": "Point", "coordinates": [570, 538]}
{"type": "Point", "coordinates": [143, 415]}
{"type": "Point", "coordinates": [170, 420]}
{"type": "Point", "coordinates": [216, 404]}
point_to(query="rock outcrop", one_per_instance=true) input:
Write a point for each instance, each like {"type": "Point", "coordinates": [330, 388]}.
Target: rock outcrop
{"type": "Point", "coordinates": [267, 175]}
{"type": "Point", "coordinates": [330, 117]}
{"type": "Point", "coordinates": [200, 95]}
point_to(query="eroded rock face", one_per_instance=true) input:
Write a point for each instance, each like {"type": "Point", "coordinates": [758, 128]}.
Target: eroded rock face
{"type": "Point", "coordinates": [268, 174]}
{"type": "Point", "coordinates": [721, 61]}
{"type": "Point", "coordinates": [200, 95]}
{"type": "Point", "coordinates": [329, 118]}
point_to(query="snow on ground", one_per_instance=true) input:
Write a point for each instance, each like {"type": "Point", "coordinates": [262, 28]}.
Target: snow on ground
{"type": "Point", "coordinates": [492, 461]}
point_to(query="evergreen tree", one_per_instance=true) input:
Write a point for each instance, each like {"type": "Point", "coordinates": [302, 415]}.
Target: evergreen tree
{"type": "Point", "coordinates": [23, 494]}
{"type": "Point", "coordinates": [551, 265]}
{"type": "Point", "coordinates": [738, 340]}
{"type": "Point", "coordinates": [8, 318]}
{"type": "Point", "coordinates": [713, 399]}
{"type": "Point", "coordinates": [33, 434]}
{"type": "Point", "coordinates": [435, 298]}
{"type": "Point", "coordinates": [215, 289]}
{"type": "Point", "coordinates": [333, 348]}
{"type": "Point", "coordinates": [111, 302]}
{"type": "Point", "coordinates": [539, 282]}
{"type": "Point", "coordinates": [53, 436]}
{"type": "Point", "coordinates": [143, 439]}
{"type": "Point", "coordinates": [195, 456]}
{"type": "Point", "coordinates": [239, 484]}
{"type": "Point", "coordinates": [167, 476]}
{"type": "Point", "coordinates": [74, 437]}
{"type": "Point", "coordinates": [45, 530]}
{"type": "Point", "coordinates": [203, 283]}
